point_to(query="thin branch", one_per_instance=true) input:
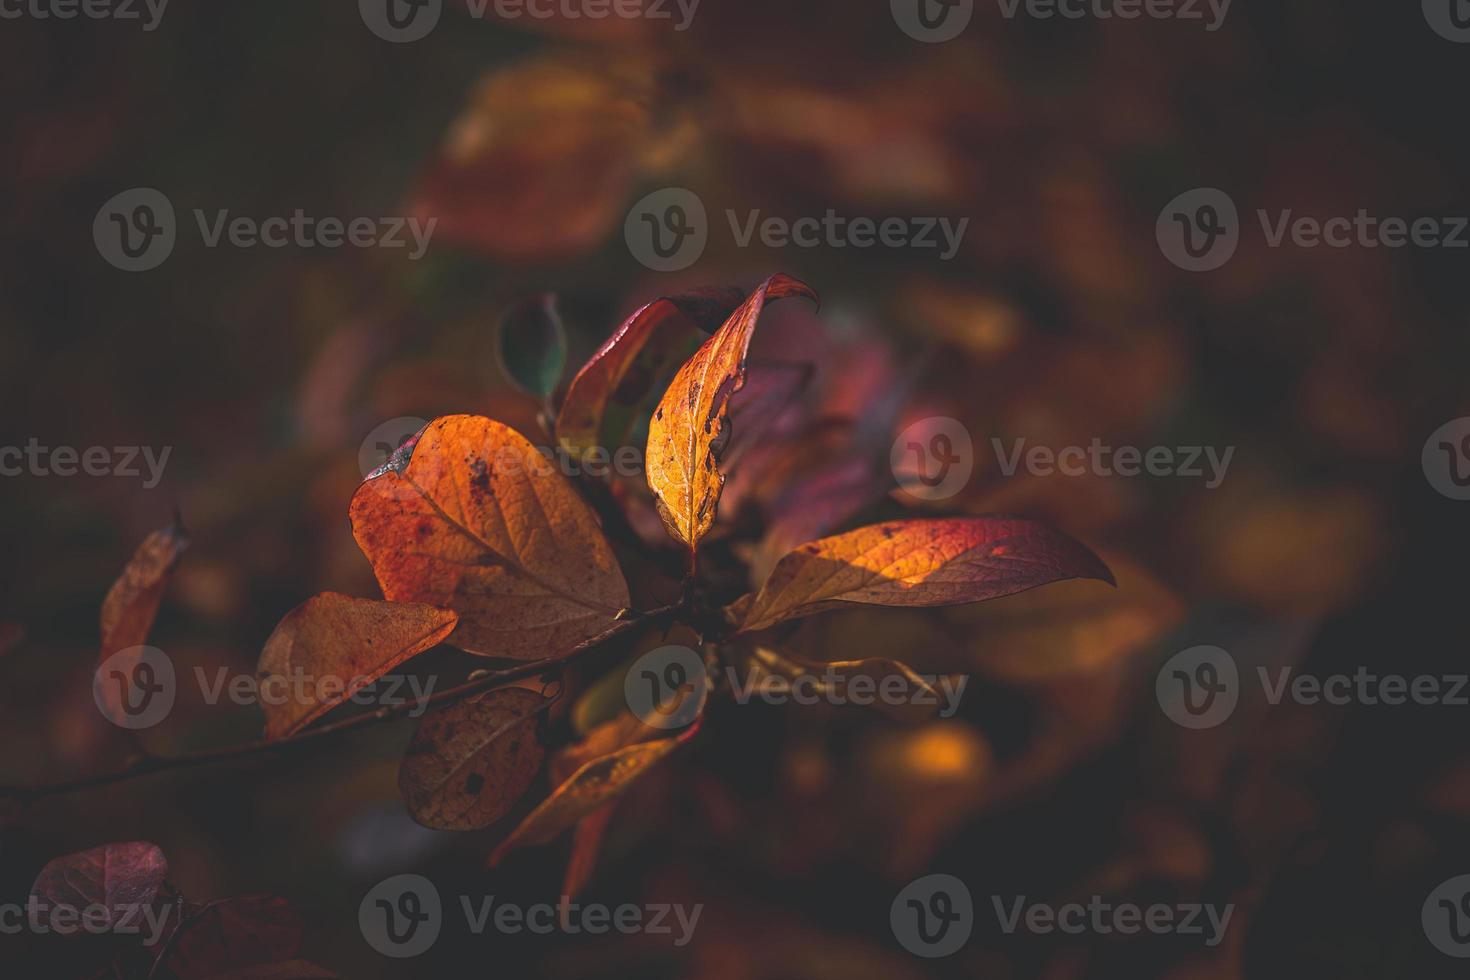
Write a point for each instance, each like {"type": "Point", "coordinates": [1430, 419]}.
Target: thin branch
{"type": "Point", "coordinates": [485, 682]}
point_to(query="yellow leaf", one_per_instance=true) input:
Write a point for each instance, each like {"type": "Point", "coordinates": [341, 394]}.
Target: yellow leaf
{"type": "Point", "coordinates": [689, 423]}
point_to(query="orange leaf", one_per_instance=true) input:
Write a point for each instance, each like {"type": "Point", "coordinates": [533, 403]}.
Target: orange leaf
{"type": "Point", "coordinates": [331, 646]}
{"type": "Point", "coordinates": [602, 399]}
{"type": "Point", "coordinates": [132, 603]}
{"type": "Point", "coordinates": [689, 422]}
{"type": "Point", "coordinates": [480, 522]}
{"type": "Point", "coordinates": [917, 563]}
{"type": "Point", "coordinates": [593, 783]}
{"type": "Point", "coordinates": [467, 765]}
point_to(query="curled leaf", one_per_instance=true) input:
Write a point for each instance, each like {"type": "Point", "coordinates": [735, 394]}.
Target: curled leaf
{"type": "Point", "coordinates": [332, 646]}
{"type": "Point", "coordinates": [132, 604]}
{"type": "Point", "coordinates": [468, 764]}
{"type": "Point", "coordinates": [917, 563]}
{"type": "Point", "coordinates": [480, 522]}
{"type": "Point", "coordinates": [119, 878]}
{"type": "Point", "coordinates": [689, 424]}
{"type": "Point", "coordinates": [602, 401]}
{"type": "Point", "coordinates": [602, 778]}
{"type": "Point", "coordinates": [532, 345]}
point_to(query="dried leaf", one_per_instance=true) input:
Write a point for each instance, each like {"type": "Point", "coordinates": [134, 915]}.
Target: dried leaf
{"type": "Point", "coordinates": [480, 522]}
{"type": "Point", "coordinates": [689, 424]}
{"type": "Point", "coordinates": [532, 345]}
{"type": "Point", "coordinates": [467, 765]}
{"type": "Point", "coordinates": [592, 784]}
{"type": "Point", "coordinates": [586, 845]}
{"type": "Point", "coordinates": [601, 403]}
{"type": "Point", "coordinates": [919, 701]}
{"type": "Point", "coordinates": [331, 646]}
{"type": "Point", "coordinates": [132, 603]}
{"type": "Point", "coordinates": [917, 563]}
{"type": "Point", "coordinates": [121, 878]}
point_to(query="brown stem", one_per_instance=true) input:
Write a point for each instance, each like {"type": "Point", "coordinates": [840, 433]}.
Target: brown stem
{"type": "Point", "coordinates": [485, 682]}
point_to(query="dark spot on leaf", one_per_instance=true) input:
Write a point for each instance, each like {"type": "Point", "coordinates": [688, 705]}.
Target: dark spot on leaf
{"type": "Point", "coordinates": [475, 784]}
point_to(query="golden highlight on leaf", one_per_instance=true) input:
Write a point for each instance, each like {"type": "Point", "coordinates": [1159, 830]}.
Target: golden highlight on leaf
{"type": "Point", "coordinates": [468, 764]}
{"type": "Point", "coordinates": [917, 563]}
{"type": "Point", "coordinates": [689, 423]}
{"type": "Point", "coordinates": [480, 522]}
{"type": "Point", "coordinates": [333, 645]}
{"type": "Point", "coordinates": [602, 398]}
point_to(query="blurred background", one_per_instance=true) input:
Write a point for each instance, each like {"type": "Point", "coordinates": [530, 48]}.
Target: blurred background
{"type": "Point", "coordinates": [1060, 319]}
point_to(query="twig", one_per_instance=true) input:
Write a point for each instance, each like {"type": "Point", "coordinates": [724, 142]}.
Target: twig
{"type": "Point", "coordinates": [486, 682]}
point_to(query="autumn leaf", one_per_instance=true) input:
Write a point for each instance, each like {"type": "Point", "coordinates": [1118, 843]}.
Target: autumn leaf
{"type": "Point", "coordinates": [532, 345]}
{"type": "Point", "coordinates": [919, 699]}
{"type": "Point", "coordinates": [480, 522]}
{"type": "Point", "coordinates": [132, 604]}
{"type": "Point", "coordinates": [603, 777]}
{"type": "Point", "coordinates": [917, 563]}
{"type": "Point", "coordinates": [689, 424]}
{"type": "Point", "coordinates": [602, 401]}
{"type": "Point", "coordinates": [120, 878]}
{"type": "Point", "coordinates": [332, 646]}
{"type": "Point", "coordinates": [468, 764]}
